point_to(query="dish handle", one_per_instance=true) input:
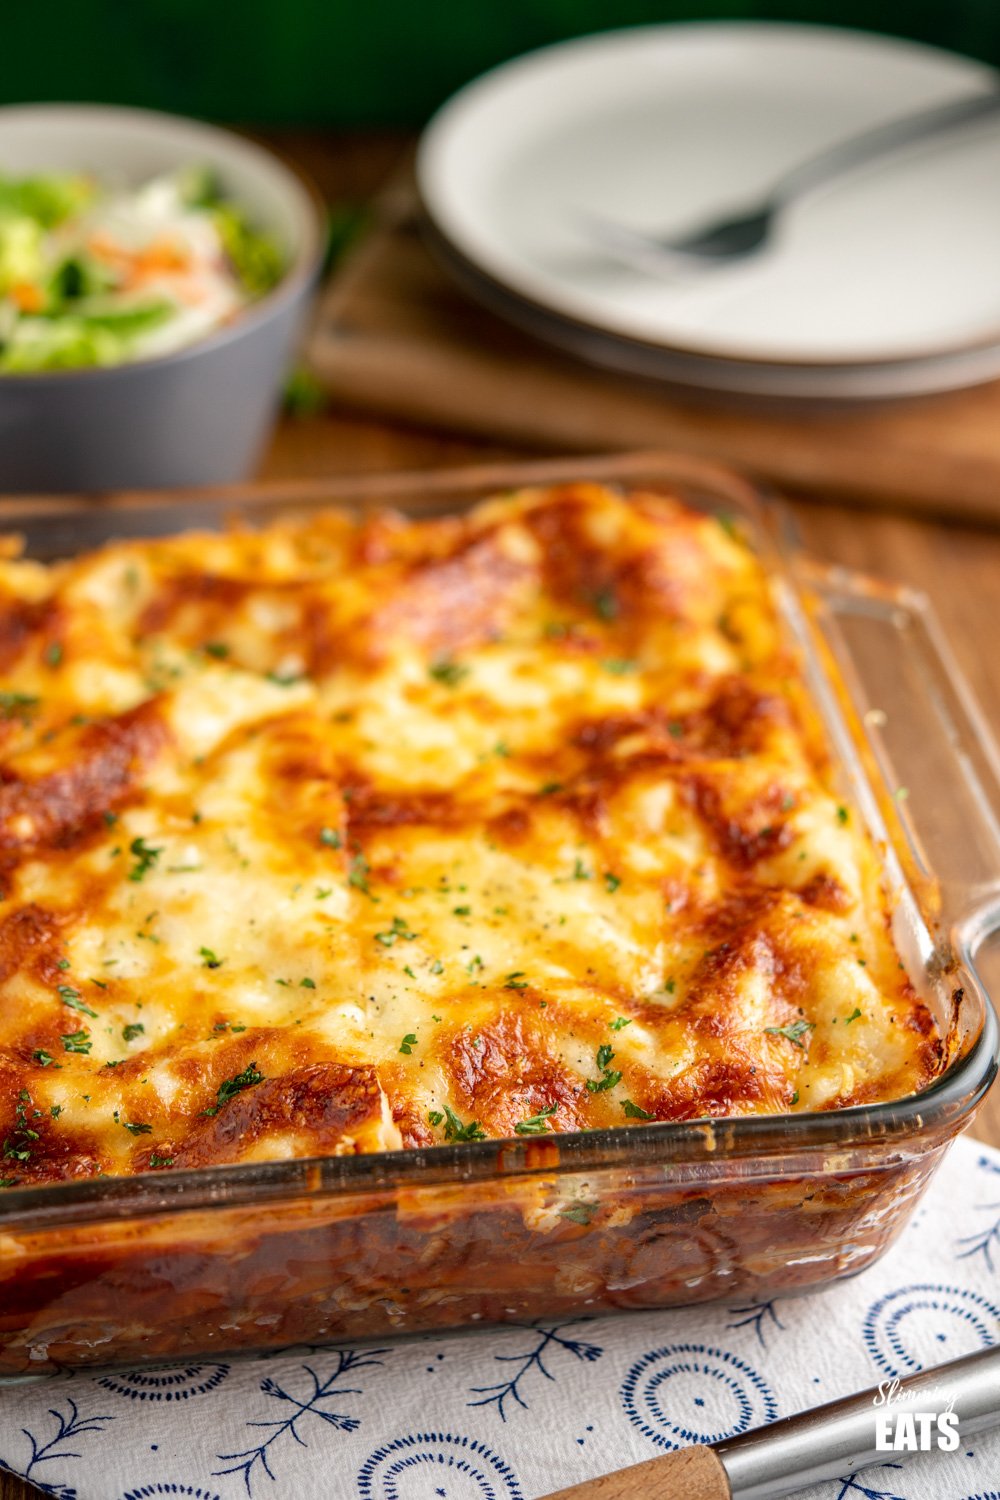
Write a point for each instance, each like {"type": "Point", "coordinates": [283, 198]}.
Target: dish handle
{"type": "Point", "coordinates": [923, 761]}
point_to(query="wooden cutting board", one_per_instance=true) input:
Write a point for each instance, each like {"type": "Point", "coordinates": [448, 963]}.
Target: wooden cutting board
{"type": "Point", "coordinates": [396, 336]}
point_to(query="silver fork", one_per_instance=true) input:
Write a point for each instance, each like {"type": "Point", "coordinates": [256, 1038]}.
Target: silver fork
{"type": "Point", "coordinates": [736, 236]}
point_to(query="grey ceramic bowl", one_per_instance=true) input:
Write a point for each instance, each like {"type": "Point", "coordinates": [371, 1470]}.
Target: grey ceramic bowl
{"type": "Point", "coordinates": [202, 414]}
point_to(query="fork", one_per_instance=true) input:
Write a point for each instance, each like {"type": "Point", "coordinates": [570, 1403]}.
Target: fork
{"type": "Point", "coordinates": [737, 236]}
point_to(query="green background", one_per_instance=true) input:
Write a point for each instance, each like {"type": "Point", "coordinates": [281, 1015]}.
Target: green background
{"type": "Point", "coordinates": [348, 62]}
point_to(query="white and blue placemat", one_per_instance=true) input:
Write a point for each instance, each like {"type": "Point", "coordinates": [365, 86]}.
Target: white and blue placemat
{"type": "Point", "coordinates": [512, 1414]}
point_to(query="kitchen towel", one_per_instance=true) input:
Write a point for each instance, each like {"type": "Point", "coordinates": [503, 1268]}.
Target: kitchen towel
{"type": "Point", "coordinates": [514, 1413]}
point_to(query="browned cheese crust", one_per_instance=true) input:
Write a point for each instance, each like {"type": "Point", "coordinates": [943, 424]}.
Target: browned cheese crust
{"type": "Point", "coordinates": [344, 835]}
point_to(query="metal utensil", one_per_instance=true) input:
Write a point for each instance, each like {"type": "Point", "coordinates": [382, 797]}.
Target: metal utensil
{"type": "Point", "coordinates": [738, 235]}
{"type": "Point", "coordinates": [824, 1443]}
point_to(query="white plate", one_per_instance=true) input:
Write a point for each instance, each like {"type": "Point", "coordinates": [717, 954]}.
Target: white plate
{"type": "Point", "coordinates": [887, 276]}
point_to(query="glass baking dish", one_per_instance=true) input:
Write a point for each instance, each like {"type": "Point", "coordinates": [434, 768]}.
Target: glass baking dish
{"type": "Point", "coordinates": [221, 1260]}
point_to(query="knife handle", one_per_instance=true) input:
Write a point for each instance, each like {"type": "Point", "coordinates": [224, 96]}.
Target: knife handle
{"type": "Point", "coordinates": [689, 1474]}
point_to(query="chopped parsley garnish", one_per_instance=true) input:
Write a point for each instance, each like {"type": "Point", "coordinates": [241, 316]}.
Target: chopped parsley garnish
{"type": "Point", "coordinates": [633, 1112]}
{"type": "Point", "coordinates": [229, 1087]}
{"type": "Point", "coordinates": [76, 1041]}
{"type": "Point", "coordinates": [330, 837]}
{"type": "Point", "coordinates": [620, 666]}
{"type": "Point", "coordinates": [132, 1030]}
{"type": "Point", "coordinates": [71, 997]}
{"type": "Point", "coordinates": [322, 891]}
{"type": "Point", "coordinates": [134, 1128]}
{"type": "Point", "coordinates": [357, 875]}
{"type": "Point", "coordinates": [408, 1043]}
{"type": "Point", "coordinates": [462, 911]}
{"type": "Point", "coordinates": [285, 679]}
{"type": "Point", "coordinates": [609, 1078]}
{"type": "Point", "coordinates": [549, 788]}
{"type": "Point", "coordinates": [43, 1057]}
{"type": "Point", "coordinates": [852, 1017]}
{"type": "Point", "coordinates": [8, 1182]}
{"type": "Point", "coordinates": [842, 814]}
{"type": "Point", "coordinates": [516, 981]}
{"type": "Point", "coordinates": [793, 1033]}
{"type": "Point", "coordinates": [53, 654]}
{"type": "Point", "coordinates": [579, 1213]}
{"type": "Point", "coordinates": [611, 882]}
{"type": "Point", "coordinates": [110, 818]}
{"type": "Point", "coordinates": [160, 1161]}
{"type": "Point", "coordinates": [398, 932]}
{"type": "Point", "coordinates": [209, 959]}
{"type": "Point", "coordinates": [536, 1124]}
{"type": "Point", "coordinates": [437, 967]}
{"type": "Point", "coordinates": [55, 1111]}
{"type": "Point", "coordinates": [675, 729]}
{"type": "Point", "coordinates": [18, 706]}
{"type": "Point", "coordinates": [307, 984]}
{"type": "Point", "coordinates": [218, 649]}
{"type": "Point", "coordinates": [670, 986]}
{"type": "Point", "coordinates": [454, 1130]}
{"type": "Point", "coordinates": [145, 858]}
{"type": "Point", "coordinates": [435, 1116]}
{"type": "Point", "coordinates": [580, 871]}
{"type": "Point", "coordinates": [619, 1023]}
{"type": "Point", "coordinates": [795, 1097]}
{"type": "Point", "coordinates": [606, 604]}
{"type": "Point", "coordinates": [448, 672]}
{"type": "Point", "coordinates": [17, 1146]}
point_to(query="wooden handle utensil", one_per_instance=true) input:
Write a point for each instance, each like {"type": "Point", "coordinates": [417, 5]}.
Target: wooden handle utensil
{"type": "Point", "coordinates": [689, 1474]}
{"type": "Point", "coordinates": [824, 1443]}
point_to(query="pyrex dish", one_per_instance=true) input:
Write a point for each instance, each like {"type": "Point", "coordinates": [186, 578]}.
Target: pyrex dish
{"type": "Point", "coordinates": [202, 414]}
{"type": "Point", "coordinates": [228, 1259]}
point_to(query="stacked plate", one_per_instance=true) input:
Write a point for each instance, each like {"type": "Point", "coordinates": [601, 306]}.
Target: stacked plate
{"type": "Point", "coordinates": [882, 281]}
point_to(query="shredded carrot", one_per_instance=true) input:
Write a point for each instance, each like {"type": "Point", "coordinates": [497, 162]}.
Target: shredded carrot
{"type": "Point", "coordinates": [28, 297]}
{"type": "Point", "coordinates": [158, 258]}
{"type": "Point", "coordinates": [103, 247]}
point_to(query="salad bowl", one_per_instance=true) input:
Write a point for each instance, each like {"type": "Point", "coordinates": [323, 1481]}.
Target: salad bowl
{"type": "Point", "coordinates": [177, 410]}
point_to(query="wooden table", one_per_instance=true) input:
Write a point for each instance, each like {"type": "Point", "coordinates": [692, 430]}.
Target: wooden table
{"type": "Point", "coordinates": [958, 566]}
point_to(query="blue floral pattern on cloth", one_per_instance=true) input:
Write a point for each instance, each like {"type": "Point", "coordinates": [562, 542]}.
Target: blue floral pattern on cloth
{"type": "Point", "coordinates": [150, 1491]}
{"type": "Point", "coordinates": [687, 1393]}
{"type": "Point", "coordinates": [176, 1383]}
{"type": "Point", "coordinates": [918, 1326]}
{"type": "Point", "coordinates": [542, 1344]}
{"type": "Point", "coordinates": [436, 1466]}
{"type": "Point", "coordinates": [515, 1413]}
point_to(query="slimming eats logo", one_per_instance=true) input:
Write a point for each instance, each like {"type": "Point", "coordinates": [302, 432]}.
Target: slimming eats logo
{"type": "Point", "coordinates": [899, 1429]}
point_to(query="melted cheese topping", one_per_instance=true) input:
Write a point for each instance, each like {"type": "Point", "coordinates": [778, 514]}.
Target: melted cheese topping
{"type": "Point", "coordinates": [343, 835]}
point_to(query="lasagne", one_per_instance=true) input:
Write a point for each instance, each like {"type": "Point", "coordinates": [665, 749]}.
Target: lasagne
{"type": "Point", "coordinates": [351, 834]}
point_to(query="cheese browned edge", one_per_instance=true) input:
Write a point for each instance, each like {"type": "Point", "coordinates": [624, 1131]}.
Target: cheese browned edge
{"type": "Point", "coordinates": [345, 835]}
